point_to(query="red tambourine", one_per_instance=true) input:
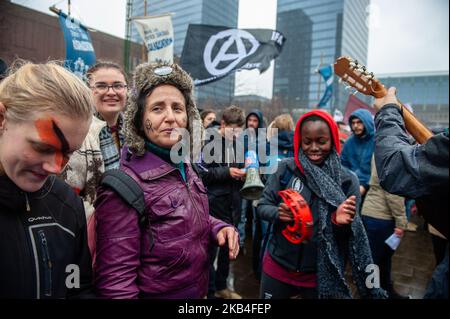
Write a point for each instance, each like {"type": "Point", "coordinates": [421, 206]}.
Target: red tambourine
{"type": "Point", "coordinates": [302, 228]}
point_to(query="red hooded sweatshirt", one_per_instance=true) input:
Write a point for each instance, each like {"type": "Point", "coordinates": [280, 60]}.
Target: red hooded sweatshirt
{"type": "Point", "coordinates": [298, 137]}
{"type": "Point", "coordinates": [270, 266]}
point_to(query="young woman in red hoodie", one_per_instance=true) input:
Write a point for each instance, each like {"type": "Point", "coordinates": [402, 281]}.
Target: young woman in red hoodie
{"type": "Point", "coordinates": [315, 268]}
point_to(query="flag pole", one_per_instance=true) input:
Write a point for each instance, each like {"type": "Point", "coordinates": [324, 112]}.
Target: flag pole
{"type": "Point", "coordinates": [54, 9]}
{"type": "Point", "coordinates": [332, 104]}
{"type": "Point", "coordinates": [127, 46]}
{"type": "Point", "coordinates": [60, 12]}
{"type": "Point", "coordinates": [144, 49]}
{"type": "Point", "coordinates": [320, 80]}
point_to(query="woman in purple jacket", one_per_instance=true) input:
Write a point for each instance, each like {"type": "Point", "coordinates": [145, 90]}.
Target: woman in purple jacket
{"type": "Point", "coordinates": [176, 201]}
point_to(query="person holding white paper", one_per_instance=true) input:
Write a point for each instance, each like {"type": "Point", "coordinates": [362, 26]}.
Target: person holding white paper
{"type": "Point", "coordinates": [384, 217]}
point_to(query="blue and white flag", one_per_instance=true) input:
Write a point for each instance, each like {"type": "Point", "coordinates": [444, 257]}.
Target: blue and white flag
{"type": "Point", "coordinates": [157, 33]}
{"type": "Point", "coordinates": [327, 74]}
{"type": "Point", "coordinates": [80, 53]}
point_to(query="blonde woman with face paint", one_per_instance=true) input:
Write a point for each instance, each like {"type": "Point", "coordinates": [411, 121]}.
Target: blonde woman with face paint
{"type": "Point", "coordinates": [176, 265]}
{"type": "Point", "coordinates": [45, 113]}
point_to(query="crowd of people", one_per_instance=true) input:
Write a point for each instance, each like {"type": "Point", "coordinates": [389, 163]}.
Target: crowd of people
{"type": "Point", "coordinates": [66, 233]}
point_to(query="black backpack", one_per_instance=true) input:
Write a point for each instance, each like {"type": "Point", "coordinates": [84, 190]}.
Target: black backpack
{"type": "Point", "coordinates": [130, 191]}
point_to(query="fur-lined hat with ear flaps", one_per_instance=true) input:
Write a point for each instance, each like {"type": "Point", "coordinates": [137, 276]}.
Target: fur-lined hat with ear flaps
{"type": "Point", "coordinates": [148, 76]}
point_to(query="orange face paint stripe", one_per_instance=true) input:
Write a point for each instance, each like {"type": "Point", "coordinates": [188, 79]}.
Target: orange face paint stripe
{"type": "Point", "coordinates": [46, 133]}
{"type": "Point", "coordinates": [51, 134]}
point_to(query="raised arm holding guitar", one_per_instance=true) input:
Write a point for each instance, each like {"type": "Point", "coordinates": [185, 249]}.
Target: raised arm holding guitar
{"type": "Point", "coordinates": [418, 171]}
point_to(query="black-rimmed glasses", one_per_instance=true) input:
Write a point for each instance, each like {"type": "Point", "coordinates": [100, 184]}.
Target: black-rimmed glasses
{"type": "Point", "coordinates": [103, 87]}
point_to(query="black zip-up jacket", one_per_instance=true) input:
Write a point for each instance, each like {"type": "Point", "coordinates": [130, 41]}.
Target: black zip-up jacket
{"type": "Point", "coordinates": [223, 190]}
{"type": "Point", "coordinates": [43, 243]}
{"type": "Point", "coordinates": [416, 171]}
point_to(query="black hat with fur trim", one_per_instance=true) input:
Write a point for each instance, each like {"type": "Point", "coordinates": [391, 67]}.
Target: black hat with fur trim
{"type": "Point", "coordinates": [146, 78]}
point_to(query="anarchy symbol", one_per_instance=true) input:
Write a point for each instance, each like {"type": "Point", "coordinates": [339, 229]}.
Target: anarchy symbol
{"type": "Point", "coordinates": [234, 36]}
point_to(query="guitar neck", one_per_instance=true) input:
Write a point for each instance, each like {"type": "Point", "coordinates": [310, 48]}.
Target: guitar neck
{"type": "Point", "coordinates": [356, 75]}
{"type": "Point", "coordinates": [415, 127]}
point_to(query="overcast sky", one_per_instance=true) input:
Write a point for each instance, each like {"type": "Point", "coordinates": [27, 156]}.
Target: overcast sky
{"type": "Point", "coordinates": [408, 36]}
{"type": "Point", "coordinates": [404, 35]}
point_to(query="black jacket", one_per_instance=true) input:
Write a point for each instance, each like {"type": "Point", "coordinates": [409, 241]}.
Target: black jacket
{"type": "Point", "coordinates": [43, 242]}
{"type": "Point", "coordinates": [301, 257]}
{"type": "Point", "coordinates": [223, 190]}
{"type": "Point", "coordinates": [250, 137]}
{"type": "Point", "coordinates": [415, 171]}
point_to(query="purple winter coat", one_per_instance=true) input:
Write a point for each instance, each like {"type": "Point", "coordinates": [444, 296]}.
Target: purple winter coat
{"type": "Point", "coordinates": [178, 264]}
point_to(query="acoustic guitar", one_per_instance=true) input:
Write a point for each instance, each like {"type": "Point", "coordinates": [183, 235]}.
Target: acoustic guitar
{"type": "Point", "coordinates": [356, 76]}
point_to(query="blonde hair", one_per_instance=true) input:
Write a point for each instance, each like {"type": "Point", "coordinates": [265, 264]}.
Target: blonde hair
{"type": "Point", "coordinates": [33, 88]}
{"type": "Point", "coordinates": [283, 122]}
{"type": "Point", "coordinates": [270, 131]}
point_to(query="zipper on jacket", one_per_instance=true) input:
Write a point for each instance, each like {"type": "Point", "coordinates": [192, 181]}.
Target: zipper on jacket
{"type": "Point", "coordinates": [186, 183]}
{"type": "Point", "coordinates": [197, 211]}
{"type": "Point", "coordinates": [27, 202]}
{"type": "Point", "coordinates": [47, 264]}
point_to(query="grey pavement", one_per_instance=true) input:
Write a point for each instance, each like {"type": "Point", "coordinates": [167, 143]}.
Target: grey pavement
{"type": "Point", "coordinates": [412, 265]}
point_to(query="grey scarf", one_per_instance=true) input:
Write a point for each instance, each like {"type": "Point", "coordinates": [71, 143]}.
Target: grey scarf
{"type": "Point", "coordinates": [334, 249]}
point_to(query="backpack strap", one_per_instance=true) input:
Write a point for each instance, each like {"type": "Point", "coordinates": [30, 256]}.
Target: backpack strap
{"type": "Point", "coordinates": [130, 191]}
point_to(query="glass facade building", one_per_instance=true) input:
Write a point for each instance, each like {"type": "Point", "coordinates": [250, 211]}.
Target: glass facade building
{"type": "Point", "coordinates": [426, 92]}
{"type": "Point", "coordinates": [212, 12]}
{"type": "Point", "coordinates": [317, 32]}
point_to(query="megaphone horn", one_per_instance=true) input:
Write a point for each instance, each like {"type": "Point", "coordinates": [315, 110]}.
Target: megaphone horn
{"type": "Point", "coordinates": [253, 187]}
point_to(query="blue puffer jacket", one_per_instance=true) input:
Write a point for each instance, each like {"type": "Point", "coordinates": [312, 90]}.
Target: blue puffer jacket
{"type": "Point", "coordinates": [285, 142]}
{"type": "Point", "coordinates": [357, 152]}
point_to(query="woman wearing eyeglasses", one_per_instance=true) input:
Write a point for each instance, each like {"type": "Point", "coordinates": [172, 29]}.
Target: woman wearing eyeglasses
{"type": "Point", "coordinates": [101, 149]}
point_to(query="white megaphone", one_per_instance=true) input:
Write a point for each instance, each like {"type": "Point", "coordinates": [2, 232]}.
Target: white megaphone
{"type": "Point", "coordinates": [253, 187]}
